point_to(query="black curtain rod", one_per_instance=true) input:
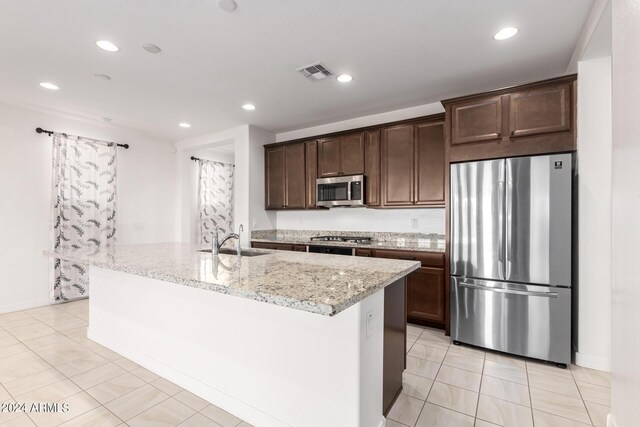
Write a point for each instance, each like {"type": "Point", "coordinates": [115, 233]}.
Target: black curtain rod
{"type": "Point", "coordinates": [196, 159]}
{"type": "Point", "coordinates": [50, 132]}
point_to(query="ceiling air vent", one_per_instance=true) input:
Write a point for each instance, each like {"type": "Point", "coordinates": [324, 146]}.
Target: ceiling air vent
{"type": "Point", "coordinates": [314, 72]}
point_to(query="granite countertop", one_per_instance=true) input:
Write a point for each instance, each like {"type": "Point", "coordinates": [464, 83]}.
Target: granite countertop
{"type": "Point", "coordinates": [420, 245]}
{"type": "Point", "coordinates": [317, 283]}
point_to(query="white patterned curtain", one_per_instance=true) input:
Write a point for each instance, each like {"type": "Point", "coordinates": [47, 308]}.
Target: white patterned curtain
{"type": "Point", "coordinates": [215, 199]}
{"type": "Point", "coordinates": [84, 208]}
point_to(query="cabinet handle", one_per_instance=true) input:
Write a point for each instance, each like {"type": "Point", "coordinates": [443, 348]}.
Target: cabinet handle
{"type": "Point", "coordinates": [410, 258]}
{"type": "Point", "coordinates": [499, 134]}
{"type": "Point", "coordinates": [513, 132]}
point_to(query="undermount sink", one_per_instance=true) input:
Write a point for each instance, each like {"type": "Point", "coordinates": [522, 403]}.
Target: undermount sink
{"type": "Point", "coordinates": [228, 251]}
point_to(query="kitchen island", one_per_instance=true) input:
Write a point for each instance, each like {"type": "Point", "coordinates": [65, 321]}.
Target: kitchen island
{"type": "Point", "coordinates": [278, 339]}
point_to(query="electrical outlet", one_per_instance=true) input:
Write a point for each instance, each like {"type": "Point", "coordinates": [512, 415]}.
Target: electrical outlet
{"type": "Point", "coordinates": [369, 324]}
{"type": "Point", "coordinates": [414, 223]}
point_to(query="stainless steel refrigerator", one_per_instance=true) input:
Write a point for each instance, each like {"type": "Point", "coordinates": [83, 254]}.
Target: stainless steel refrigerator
{"type": "Point", "coordinates": [511, 243]}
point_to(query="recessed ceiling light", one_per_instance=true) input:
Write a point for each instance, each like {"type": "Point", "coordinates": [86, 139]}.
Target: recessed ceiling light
{"type": "Point", "coordinates": [344, 78]}
{"type": "Point", "coordinates": [249, 107]}
{"type": "Point", "coordinates": [506, 33]}
{"type": "Point", "coordinates": [107, 45]}
{"type": "Point", "coordinates": [102, 76]}
{"type": "Point", "coordinates": [151, 48]}
{"type": "Point", "coordinates": [228, 5]}
{"type": "Point", "coordinates": [184, 125]}
{"type": "Point", "coordinates": [49, 86]}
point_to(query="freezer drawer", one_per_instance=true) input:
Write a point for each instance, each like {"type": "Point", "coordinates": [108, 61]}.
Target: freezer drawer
{"type": "Point", "coordinates": [527, 320]}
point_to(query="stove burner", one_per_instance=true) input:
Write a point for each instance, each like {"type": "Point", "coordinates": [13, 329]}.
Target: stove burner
{"type": "Point", "coordinates": [360, 240]}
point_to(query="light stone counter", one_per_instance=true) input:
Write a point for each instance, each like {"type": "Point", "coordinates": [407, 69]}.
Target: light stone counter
{"type": "Point", "coordinates": [380, 240]}
{"type": "Point", "coordinates": [316, 283]}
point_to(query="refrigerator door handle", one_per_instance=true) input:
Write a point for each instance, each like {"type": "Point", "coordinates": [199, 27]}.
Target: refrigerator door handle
{"type": "Point", "coordinates": [509, 291]}
{"type": "Point", "coordinates": [508, 214]}
{"type": "Point", "coordinates": [501, 226]}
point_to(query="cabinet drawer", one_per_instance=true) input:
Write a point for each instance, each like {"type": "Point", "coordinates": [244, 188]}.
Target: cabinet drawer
{"type": "Point", "coordinates": [273, 246]}
{"type": "Point", "coordinates": [300, 248]}
{"type": "Point", "coordinates": [428, 259]}
{"type": "Point", "coordinates": [364, 252]}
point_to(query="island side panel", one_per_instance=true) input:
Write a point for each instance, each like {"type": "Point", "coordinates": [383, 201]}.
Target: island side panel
{"type": "Point", "coordinates": [267, 364]}
{"type": "Point", "coordinates": [395, 341]}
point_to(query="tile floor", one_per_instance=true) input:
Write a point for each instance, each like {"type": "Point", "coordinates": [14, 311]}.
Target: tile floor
{"type": "Point", "coordinates": [450, 386]}
{"type": "Point", "coordinates": [46, 357]}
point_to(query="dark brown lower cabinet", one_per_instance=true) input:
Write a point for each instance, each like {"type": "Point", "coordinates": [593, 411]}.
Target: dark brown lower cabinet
{"type": "Point", "coordinates": [300, 248]}
{"type": "Point", "coordinates": [425, 295]}
{"type": "Point", "coordinates": [273, 246]}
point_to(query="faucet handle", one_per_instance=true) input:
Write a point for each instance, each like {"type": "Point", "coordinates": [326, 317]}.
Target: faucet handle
{"type": "Point", "coordinates": [239, 248]}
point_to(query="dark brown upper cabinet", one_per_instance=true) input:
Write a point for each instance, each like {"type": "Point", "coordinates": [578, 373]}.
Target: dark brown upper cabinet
{"type": "Point", "coordinates": [274, 167]}
{"type": "Point", "coordinates": [536, 118]}
{"type": "Point", "coordinates": [430, 163]}
{"type": "Point", "coordinates": [341, 155]}
{"type": "Point", "coordinates": [477, 120]}
{"type": "Point", "coordinates": [372, 167]}
{"type": "Point", "coordinates": [542, 110]}
{"type": "Point", "coordinates": [295, 180]}
{"type": "Point", "coordinates": [285, 176]}
{"type": "Point", "coordinates": [398, 163]}
{"type": "Point", "coordinates": [311, 148]}
{"type": "Point", "coordinates": [413, 164]}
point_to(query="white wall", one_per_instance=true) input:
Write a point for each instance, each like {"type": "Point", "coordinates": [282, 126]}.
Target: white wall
{"type": "Point", "coordinates": [625, 345]}
{"type": "Point", "coordinates": [594, 170]}
{"type": "Point", "coordinates": [430, 220]}
{"type": "Point", "coordinates": [145, 197]}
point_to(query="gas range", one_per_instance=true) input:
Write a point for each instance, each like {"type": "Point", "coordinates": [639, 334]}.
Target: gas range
{"type": "Point", "coordinates": [359, 240]}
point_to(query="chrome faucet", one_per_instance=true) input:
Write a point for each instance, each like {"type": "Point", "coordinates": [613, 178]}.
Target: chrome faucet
{"type": "Point", "coordinates": [215, 245]}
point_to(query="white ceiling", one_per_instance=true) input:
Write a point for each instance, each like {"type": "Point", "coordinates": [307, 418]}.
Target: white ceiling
{"type": "Point", "coordinates": [401, 53]}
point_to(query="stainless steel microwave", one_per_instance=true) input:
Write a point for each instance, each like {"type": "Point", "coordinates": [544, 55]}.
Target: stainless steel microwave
{"type": "Point", "coordinates": [340, 191]}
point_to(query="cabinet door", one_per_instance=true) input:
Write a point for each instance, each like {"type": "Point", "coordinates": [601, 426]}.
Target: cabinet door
{"type": "Point", "coordinates": [275, 177]}
{"type": "Point", "coordinates": [476, 120]}
{"type": "Point", "coordinates": [295, 176]}
{"type": "Point", "coordinates": [430, 162]}
{"type": "Point", "coordinates": [372, 167]}
{"type": "Point", "coordinates": [425, 295]}
{"type": "Point", "coordinates": [542, 110]}
{"type": "Point", "coordinates": [328, 157]}
{"type": "Point", "coordinates": [300, 248]}
{"type": "Point", "coordinates": [311, 149]}
{"type": "Point", "coordinates": [352, 154]}
{"type": "Point", "coordinates": [397, 165]}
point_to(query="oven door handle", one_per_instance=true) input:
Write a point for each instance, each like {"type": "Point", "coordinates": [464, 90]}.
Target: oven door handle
{"type": "Point", "coordinates": [509, 291]}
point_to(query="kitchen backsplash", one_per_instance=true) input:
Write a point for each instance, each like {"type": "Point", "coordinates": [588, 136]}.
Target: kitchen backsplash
{"type": "Point", "coordinates": [426, 221]}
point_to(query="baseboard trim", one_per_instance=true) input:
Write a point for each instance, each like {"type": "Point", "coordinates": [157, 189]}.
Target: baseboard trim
{"type": "Point", "coordinates": [25, 305]}
{"type": "Point", "coordinates": [593, 362]}
{"type": "Point", "coordinates": [229, 403]}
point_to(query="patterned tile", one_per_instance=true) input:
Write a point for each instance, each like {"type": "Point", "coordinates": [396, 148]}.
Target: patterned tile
{"type": "Point", "coordinates": [504, 413]}
{"type": "Point", "coordinates": [452, 397]}
{"type": "Point", "coordinates": [405, 410]}
{"type": "Point", "coordinates": [459, 378]}
{"type": "Point", "coordinates": [415, 386]}
{"type": "Point", "coordinates": [437, 416]}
